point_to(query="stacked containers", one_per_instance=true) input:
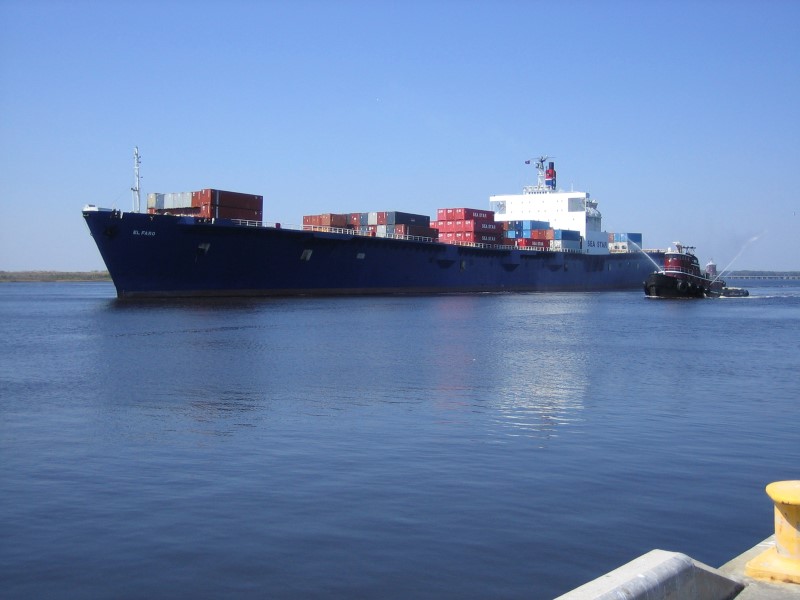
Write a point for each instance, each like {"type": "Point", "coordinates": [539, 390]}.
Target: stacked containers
{"type": "Point", "coordinates": [624, 242]}
{"type": "Point", "coordinates": [339, 221]}
{"type": "Point", "coordinates": [379, 224]}
{"type": "Point", "coordinates": [220, 204]}
{"type": "Point", "coordinates": [208, 203]}
{"type": "Point", "coordinates": [538, 235]}
{"type": "Point", "coordinates": [468, 225]}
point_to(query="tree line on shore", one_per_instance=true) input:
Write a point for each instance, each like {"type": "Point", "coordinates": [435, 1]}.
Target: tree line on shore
{"type": "Point", "coordinates": [19, 276]}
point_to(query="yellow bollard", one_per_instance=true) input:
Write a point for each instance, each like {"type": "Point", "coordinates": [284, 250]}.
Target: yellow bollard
{"type": "Point", "coordinates": [781, 563]}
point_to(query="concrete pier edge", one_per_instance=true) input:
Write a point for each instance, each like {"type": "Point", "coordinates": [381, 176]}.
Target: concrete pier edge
{"type": "Point", "coordinates": [664, 575]}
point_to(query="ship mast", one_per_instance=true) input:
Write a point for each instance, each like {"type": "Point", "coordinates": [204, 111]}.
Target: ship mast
{"type": "Point", "coordinates": [545, 179]}
{"type": "Point", "coordinates": [135, 189]}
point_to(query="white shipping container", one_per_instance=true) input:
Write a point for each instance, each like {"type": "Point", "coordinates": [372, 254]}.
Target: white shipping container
{"type": "Point", "coordinates": [381, 231]}
{"type": "Point", "coordinates": [155, 200]}
{"type": "Point", "coordinates": [177, 199]}
{"type": "Point", "coordinates": [565, 245]}
{"type": "Point", "coordinates": [372, 218]}
{"type": "Point", "coordinates": [622, 247]}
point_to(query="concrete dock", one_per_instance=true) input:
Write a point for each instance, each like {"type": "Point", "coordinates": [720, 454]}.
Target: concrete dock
{"type": "Point", "coordinates": [768, 571]}
{"type": "Point", "coordinates": [754, 588]}
{"type": "Point", "coordinates": [663, 575]}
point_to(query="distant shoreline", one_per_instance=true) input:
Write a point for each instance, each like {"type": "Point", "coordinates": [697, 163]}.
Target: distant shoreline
{"type": "Point", "coordinates": [54, 276]}
{"type": "Point", "coordinates": [62, 276]}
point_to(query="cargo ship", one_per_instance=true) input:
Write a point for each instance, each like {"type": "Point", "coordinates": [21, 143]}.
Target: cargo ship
{"type": "Point", "coordinates": [217, 243]}
{"type": "Point", "coordinates": [681, 277]}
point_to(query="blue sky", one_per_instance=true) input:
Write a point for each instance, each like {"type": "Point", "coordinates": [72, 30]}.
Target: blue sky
{"type": "Point", "coordinates": [681, 118]}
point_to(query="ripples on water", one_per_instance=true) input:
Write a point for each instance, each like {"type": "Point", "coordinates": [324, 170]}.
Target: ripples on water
{"type": "Point", "coordinates": [453, 446]}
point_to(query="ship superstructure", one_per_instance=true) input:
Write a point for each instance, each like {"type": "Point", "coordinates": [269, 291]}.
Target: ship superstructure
{"type": "Point", "coordinates": [575, 211]}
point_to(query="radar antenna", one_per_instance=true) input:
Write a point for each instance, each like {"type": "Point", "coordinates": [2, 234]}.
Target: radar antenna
{"type": "Point", "coordinates": [541, 170]}
{"type": "Point", "coordinates": [135, 189]}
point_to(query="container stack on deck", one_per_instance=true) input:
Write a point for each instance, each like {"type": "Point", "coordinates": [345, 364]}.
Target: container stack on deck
{"type": "Point", "coordinates": [209, 204]}
{"type": "Point", "coordinates": [624, 242]}
{"type": "Point", "coordinates": [539, 235]}
{"type": "Point", "coordinates": [378, 224]}
{"type": "Point", "coordinates": [468, 225]}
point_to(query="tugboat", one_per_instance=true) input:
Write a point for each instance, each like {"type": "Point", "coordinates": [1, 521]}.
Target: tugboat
{"type": "Point", "coordinates": [681, 277]}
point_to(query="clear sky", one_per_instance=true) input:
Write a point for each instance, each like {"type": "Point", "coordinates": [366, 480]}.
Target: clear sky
{"type": "Point", "coordinates": [681, 118]}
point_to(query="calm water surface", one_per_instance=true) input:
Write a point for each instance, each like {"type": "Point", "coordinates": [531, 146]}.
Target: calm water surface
{"type": "Point", "coordinates": [484, 446]}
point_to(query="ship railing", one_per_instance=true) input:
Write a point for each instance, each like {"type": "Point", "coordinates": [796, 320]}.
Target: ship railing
{"type": "Point", "coordinates": [348, 231]}
{"type": "Point", "coordinates": [683, 271]}
{"type": "Point", "coordinates": [412, 238]}
{"type": "Point", "coordinates": [248, 223]}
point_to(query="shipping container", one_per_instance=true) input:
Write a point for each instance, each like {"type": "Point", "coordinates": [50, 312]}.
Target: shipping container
{"type": "Point", "coordinates": [155, 200]}
{"type": "Point", "coordinates": [487, 226]}
{"type": "Point", "coordinates": [403, 218]}
{"type": "Point", "coordinates": [460, 214]}
{"type": "Point", "coordinates": [333, 220]}
{"type": "Point", "coordinates": [542, 234]}
{"type": "Point", "coordinates": [421, 231]}
{"type": "Point", "coordinates": [537, 244]}
{"type": "Point", "coordinates": [177, 199]}
{"type": "Point", "coordinates": [565, 245]}
{"type": "Point", "coordinates": [225, 198]}
{"type": "Point", "coordinates": [623, 247]}
{"type": "Point", "coordinates": [636, 238]}
{"type": "Point", "coordinates": [566, 234]}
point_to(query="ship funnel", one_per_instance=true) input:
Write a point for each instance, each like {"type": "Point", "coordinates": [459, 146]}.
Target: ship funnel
{"type": "Point", "coordinates": [550, 176]}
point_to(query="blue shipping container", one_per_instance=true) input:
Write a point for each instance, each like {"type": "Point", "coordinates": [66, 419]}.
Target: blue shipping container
{"type": "Point", "coordinates": [567, 234]}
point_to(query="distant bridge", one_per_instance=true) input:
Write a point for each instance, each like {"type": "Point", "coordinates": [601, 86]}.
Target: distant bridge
{"type": "Point", "coordinates": [763, 277]}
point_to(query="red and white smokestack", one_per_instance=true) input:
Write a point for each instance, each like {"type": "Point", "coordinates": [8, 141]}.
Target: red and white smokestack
{"type": "Point", "coordinates": [550, 176]}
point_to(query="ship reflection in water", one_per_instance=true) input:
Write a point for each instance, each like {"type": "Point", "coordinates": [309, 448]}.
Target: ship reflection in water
{"type": "Point", "coordinates": [527, 388]}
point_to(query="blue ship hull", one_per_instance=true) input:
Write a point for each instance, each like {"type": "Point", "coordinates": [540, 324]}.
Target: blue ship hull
{"type": "Point", "coordinates": [171, 256]}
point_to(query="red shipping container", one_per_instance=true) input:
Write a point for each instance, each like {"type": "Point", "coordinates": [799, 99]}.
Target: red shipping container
{"type": "Point", "coordinates": [470, 214]}
{"type": "Point", "coordinates": [216, 198]}
{"type": "Point", "coordinates": [355, 219]}
{"type": "Point", "coordinates": [542, 234]}
{"type": "Point", "coordinates": [487, 226]}
{"type": "Point", "coordinates": [530, 243]}
{"type": "Point", "coordinates": [422, 231]}
{"type": "Point", "coordinates": [333, 220]}
{"type": "Point", "coordinates": [382, 218]}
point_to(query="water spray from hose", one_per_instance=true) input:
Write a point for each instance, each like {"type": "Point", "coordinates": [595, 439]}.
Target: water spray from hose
{"type": "Point", "coordinates": [738, 254]}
